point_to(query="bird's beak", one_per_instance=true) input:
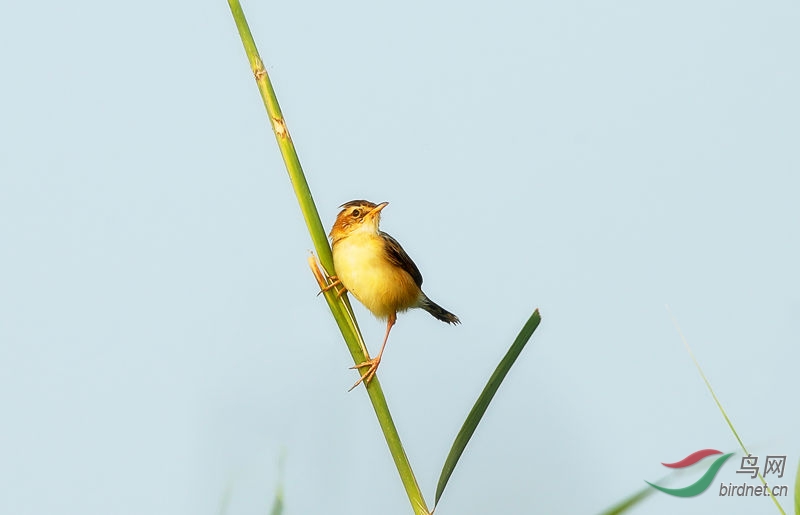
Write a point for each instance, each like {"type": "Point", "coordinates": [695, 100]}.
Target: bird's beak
{"type": "Point", "coordinates": [377, 209]}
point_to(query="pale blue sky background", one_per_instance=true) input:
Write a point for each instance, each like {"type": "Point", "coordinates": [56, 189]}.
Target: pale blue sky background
{"type": "Point", "coordinates": [160, 337]}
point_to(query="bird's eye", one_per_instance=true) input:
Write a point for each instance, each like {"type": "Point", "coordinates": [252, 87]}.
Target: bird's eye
{"type": "Point", "coordinates": [356, 213]}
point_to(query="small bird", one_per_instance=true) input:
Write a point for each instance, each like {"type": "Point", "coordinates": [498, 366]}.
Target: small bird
{"type": "Point", "coordinates": [373, 266]}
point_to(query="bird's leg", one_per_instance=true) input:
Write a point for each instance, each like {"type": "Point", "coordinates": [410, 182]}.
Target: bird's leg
{"type": "Point", "coordinates": [373, 363]}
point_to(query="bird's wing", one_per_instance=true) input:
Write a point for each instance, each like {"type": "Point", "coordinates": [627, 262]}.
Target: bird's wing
{"type": "Point", "coordinates": [398, 257]}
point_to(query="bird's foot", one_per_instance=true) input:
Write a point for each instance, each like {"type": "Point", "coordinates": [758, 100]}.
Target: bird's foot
{"type": "Point", "coordinates": [335, 282]}
{"type": "Point", "coordinates": [325, 281]}
{"type": "Point", "coordinates": [367, 376]}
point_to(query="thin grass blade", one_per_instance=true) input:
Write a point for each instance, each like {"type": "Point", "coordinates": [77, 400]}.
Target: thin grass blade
{"type": "Point", "coordinates": [225, 500]}
{"type": "Point", "coordinates": [277, 505]}
{"type": "Point", "coordinates": [475, 415]}
{"type": "Point", "coordinates": [719, 406]}
{"type": "Point", "coordinates": [797, 491]}
{"type": "Point", "coordinates": [630, 502]}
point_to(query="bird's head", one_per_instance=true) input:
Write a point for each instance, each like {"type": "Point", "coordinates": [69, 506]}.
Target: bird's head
{"type": "Point", "coordinates": [357, 216]}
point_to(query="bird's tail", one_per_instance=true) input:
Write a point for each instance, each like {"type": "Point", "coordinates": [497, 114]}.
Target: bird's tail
{"type": "Point", "coordinates": [438, 311]}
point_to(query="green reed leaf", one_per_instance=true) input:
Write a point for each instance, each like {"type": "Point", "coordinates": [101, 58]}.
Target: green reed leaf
{"type": "Point", "coordinates": [478, 410]}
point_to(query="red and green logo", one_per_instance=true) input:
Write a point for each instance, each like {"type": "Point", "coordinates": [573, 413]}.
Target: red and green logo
{"type": "Point", "coordinates": [701, 484]}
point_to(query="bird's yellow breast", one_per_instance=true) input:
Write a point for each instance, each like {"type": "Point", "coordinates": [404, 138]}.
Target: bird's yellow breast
{"type": "Point", "coordinates": [362, 267]}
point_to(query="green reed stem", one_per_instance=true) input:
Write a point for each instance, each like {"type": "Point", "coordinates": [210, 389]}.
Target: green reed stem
{"type": "Point", "coordinates": [340, 306]}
